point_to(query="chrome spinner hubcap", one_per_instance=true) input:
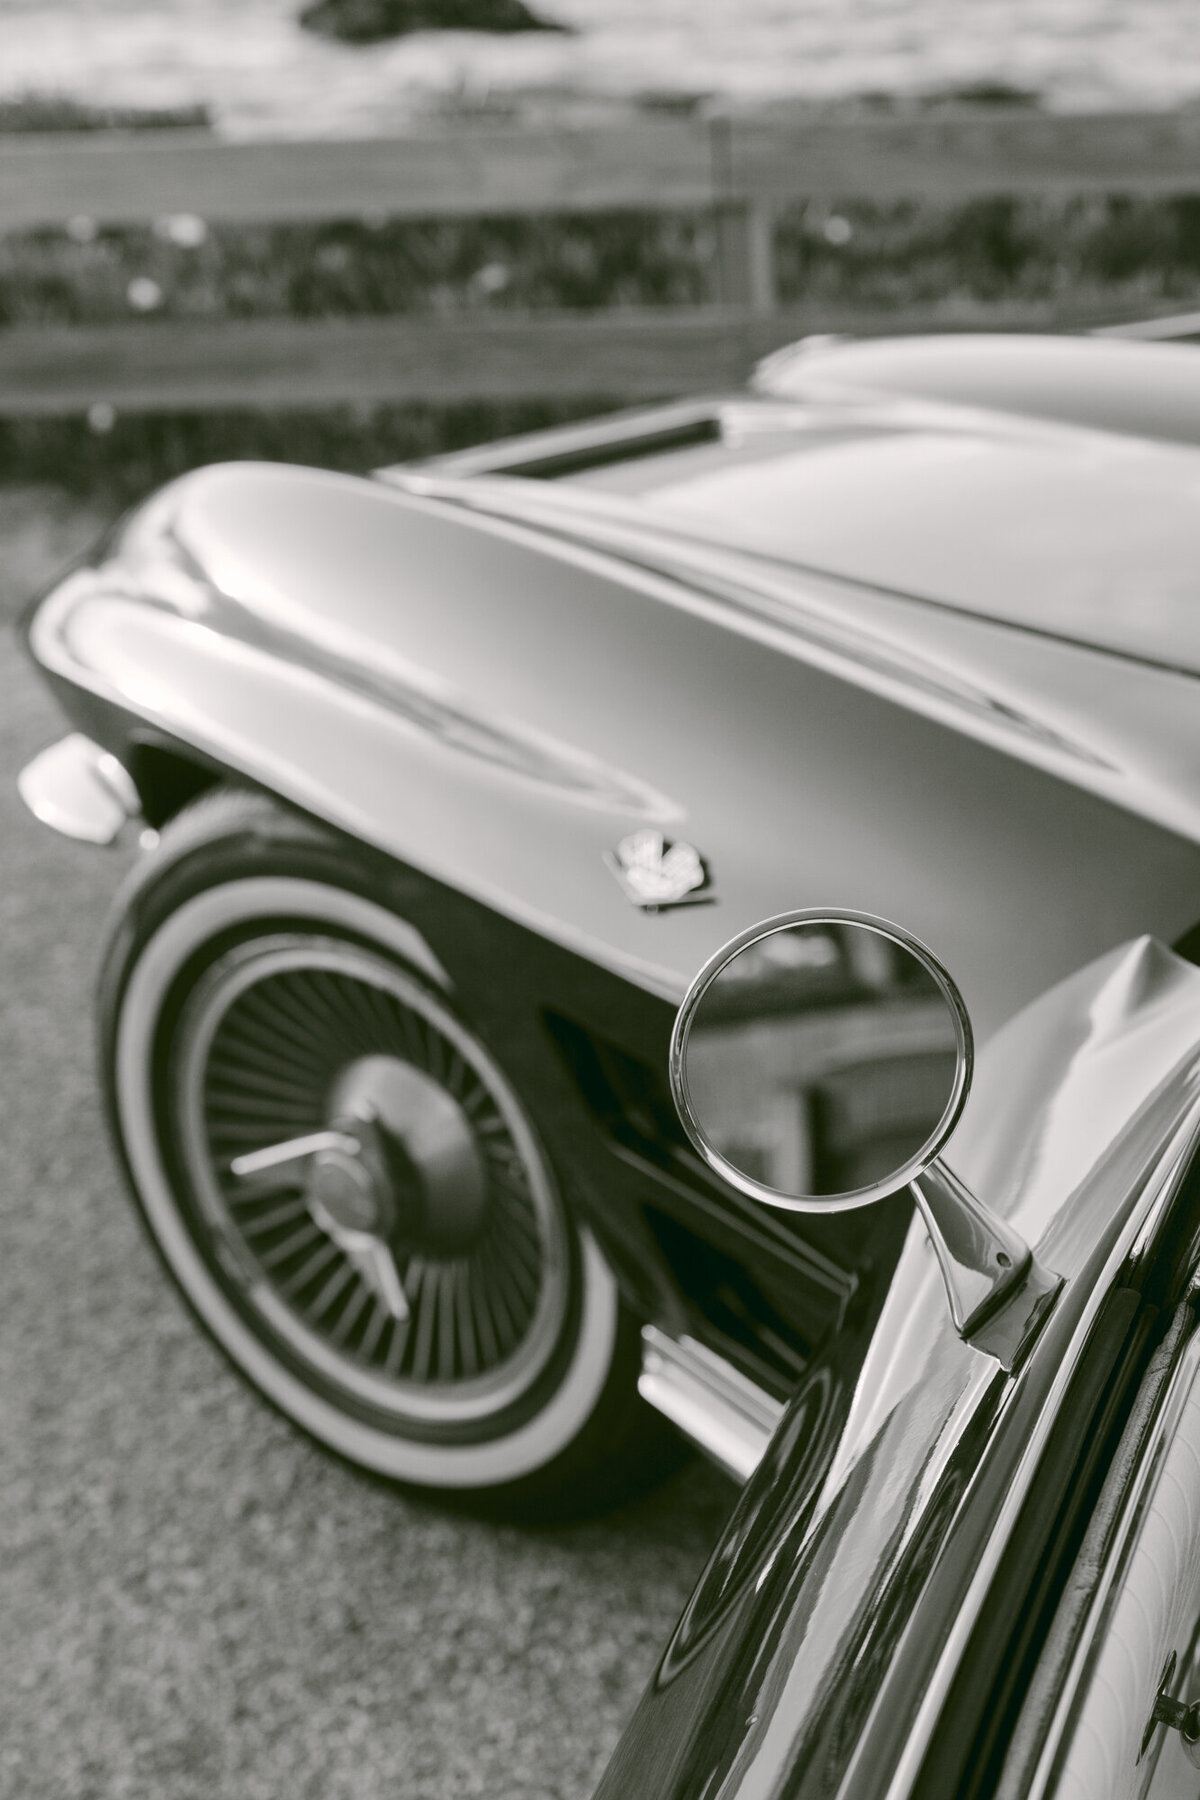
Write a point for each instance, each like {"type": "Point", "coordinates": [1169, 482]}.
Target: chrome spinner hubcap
{"type": "Point", "coordinates": [343, 1194]}
{"type": "Point", "coordinates": [370, 1180]}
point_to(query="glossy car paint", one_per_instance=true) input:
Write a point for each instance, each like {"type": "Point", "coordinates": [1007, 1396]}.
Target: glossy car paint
{"type": "Point", "coordinates": [824, 1649]}
{"type": "Point", "coordinates": [491, 681]}
{"type": "Point", "coordinates": [498, 707]}
{"type": "Point", "coordinates": [1097, 382]}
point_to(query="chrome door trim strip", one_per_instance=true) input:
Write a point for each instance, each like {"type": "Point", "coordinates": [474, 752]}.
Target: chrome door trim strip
{"type": "Point", "coordinates": [1157, 1197]}
{"type": "Point", "coordinates": [1163, 1434]}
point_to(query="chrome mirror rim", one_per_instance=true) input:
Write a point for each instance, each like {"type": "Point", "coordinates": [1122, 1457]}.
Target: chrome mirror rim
{"type": "Point", "coordinates": [896, 1180]}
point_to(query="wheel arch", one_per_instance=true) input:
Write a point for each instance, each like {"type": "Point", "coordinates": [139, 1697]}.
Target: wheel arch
{"type": "Point", "coordinates": [257, 814]}
{"type": "Point", "coordinates": [167, 779]}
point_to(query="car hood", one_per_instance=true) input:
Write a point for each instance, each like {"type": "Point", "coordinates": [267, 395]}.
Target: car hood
{"type": "Point", "coordinates": [1080, 534]}
{"type": "Point", "coordinates": [1055, 525]}
{"type": "Point", "coordinates": [500, 699]}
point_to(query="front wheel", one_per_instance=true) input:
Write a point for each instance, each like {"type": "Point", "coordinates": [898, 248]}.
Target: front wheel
{"type": "Point", "coordinates": [345, 1185]}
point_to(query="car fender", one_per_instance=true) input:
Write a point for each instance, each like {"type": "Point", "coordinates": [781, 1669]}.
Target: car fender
{"type": "Point", "coordinates": [501, 707]}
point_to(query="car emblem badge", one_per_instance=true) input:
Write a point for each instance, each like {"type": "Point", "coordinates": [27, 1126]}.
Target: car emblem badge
{"type": "Point", "coordinates": [656, 873]}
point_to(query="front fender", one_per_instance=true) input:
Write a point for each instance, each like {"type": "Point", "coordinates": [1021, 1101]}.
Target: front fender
{"type": "Point", "coordinates": [499, 708]}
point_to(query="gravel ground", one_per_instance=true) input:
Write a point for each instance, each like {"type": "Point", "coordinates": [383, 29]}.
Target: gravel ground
{"type": "Point", "coordinates": [194, 1602]}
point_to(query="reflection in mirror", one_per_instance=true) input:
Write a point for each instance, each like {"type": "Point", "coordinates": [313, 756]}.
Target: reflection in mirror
{"type": "Point", "coordinates": [823, 1060]}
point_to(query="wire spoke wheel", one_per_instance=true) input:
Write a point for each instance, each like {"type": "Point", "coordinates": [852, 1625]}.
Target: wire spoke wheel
{"type": "Point", "coordinates": [431, 1169]}
{"type": "Point", "coordinates": [343, 1182]}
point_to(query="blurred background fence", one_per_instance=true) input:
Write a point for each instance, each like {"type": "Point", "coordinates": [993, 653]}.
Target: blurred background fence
{"type": "Point", "coordinates": [167, 297]}
{"type": "Point", "coordinates": [733, 177]}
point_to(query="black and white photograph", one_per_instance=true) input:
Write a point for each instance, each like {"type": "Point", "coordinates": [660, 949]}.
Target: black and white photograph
{"type": "Point", "coordinates": [600, 884]}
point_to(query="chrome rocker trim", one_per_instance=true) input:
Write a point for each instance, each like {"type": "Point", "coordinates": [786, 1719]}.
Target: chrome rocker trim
{"type": "Point", "coordinates": [722, 1411]}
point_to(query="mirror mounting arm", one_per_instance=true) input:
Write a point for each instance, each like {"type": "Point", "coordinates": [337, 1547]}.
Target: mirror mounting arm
{"type": "Point", "coordinates": [996, 1290]}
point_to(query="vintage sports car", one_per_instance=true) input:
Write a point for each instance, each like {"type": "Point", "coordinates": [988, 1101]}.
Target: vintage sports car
{"type": "Point", "coordinates": [969, 1562]}
{"type": "Point", "coordinates": [448, 780]}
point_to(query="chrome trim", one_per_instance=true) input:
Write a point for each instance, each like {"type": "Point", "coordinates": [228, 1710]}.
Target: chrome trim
{"type": "Point", "coordinates": [387, 1376]}
{"type": "Point", "coordinates": [916, 1165]}
{"type": "Point", "coordinates": [1155, 1200]}
{"type": "Point", "coordinates": [638, 430]}
{"type": "Point", "coordinates": [721, 1410]}
{"type": "Point", "coordinates": [998, 1293]}
{"type": "Point", "coordinates": [290, 1159]}
{"type": "Point", "coordinates": [866, 1548]}
{"type": "Point", "coordinates": [80, 790]}
{"type": "Point", "coordinates": [981, 1258]}
{"type": "Point", "coordinates": [656, 872]}
{"type": "Point", "coordinates": [1166, 1473]}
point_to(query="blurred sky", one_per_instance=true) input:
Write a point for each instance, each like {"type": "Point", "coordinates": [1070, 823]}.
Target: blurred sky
{"type": "Point", "coordinates": [262, 75]}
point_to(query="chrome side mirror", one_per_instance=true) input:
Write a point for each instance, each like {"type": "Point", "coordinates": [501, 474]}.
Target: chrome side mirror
{"type": "Point", "coordinates": [821, 1060]}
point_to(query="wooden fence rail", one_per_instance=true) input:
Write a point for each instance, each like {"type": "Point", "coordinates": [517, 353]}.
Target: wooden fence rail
{"type": "Point", "coordinates": [660, 165]}
{"type": "Point", "coordinates": [645, 354]}
{"type": "Point", "coordinates": [739, 170]}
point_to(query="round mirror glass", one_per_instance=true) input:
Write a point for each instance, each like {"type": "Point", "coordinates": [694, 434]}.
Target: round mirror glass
{"type": "Point", "coordinates": [820, 1061]}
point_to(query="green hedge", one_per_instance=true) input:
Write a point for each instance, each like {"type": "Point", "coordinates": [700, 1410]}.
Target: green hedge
{"type": "Point", "coordinates": [1121, 248]}
{"type": "Point", "coordinates": [857, 253]}
{"type": "Point", "coordinates": [351, 268]}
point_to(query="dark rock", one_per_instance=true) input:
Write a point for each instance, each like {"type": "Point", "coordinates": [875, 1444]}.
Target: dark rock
{"type": "Point", "coordinates": [57, 112]}
{"type": "Point", "coordinates": [371, 21]}
{"type": "Point", "coordinates": [985, 93]}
